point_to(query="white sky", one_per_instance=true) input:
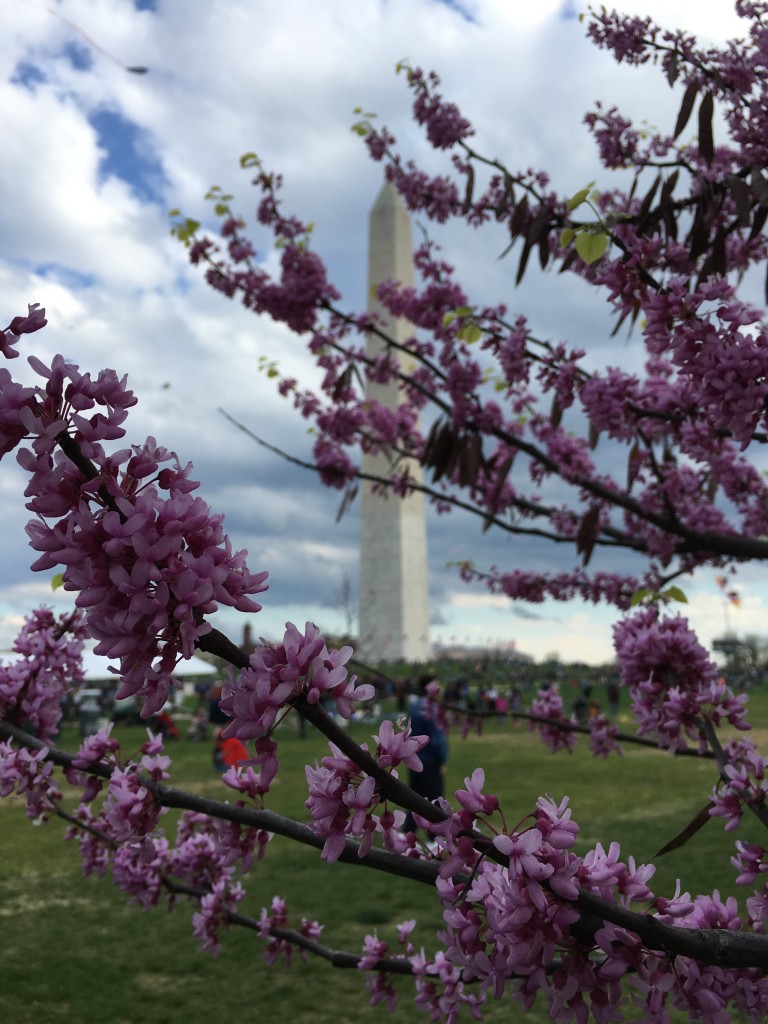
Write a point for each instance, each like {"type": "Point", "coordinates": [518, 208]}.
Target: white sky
{"type": "Point", "coordinates": [84, 231]}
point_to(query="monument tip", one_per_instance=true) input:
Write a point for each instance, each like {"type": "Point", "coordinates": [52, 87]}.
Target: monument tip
{"type": "Point", "coordinates": [388, 198]}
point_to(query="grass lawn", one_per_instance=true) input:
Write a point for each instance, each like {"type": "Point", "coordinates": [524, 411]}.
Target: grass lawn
{"type": "Point", "coordinates": [72, 950]}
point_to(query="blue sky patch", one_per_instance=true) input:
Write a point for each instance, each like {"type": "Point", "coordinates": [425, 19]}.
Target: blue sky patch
{"type": "Point", "coordinates": [128, 155]}
{"type": "Point", "coordinates": [79, 56]}
{"type": "Point", "coordinates": [145, 5]}
{"type": "Point", "coordinates": [460, 9]}
{"type": "Point", "coordinates": [27, 75]}
{"type": "Point", "coordinates": [65, 276]}
{"type": "Point", "coordinates": [31, 74]}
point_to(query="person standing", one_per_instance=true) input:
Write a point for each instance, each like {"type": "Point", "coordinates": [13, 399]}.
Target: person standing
{"type": "Point", "coordinates": [614, 693]}
{"type": "Point", "coordinates": [425, 721]}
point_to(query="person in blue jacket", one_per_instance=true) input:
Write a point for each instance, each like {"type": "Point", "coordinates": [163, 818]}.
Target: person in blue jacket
{"type": "Point", "coordinates": [429, 782]}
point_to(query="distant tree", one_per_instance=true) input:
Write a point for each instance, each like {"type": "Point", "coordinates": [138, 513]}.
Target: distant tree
{"type": "Point", "coordinates": [746, 658]}
{"type": "Point", "coordinates": [520, 432]}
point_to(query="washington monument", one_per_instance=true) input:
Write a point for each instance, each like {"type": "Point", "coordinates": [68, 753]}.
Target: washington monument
{"type": "Point", "coordinates": [394, 608]}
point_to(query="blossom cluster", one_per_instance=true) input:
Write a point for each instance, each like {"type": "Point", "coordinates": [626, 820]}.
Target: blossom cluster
{"type": "Point", "coordinates": [278, 675]}
{"type": "Point", "coordinates": [548, 704]}
{"type": "Point", "coordinates": [751, 862]}
{"type": "Point", "coordinates": [603, 736]}
{"type": "Point", "coordinates": [275, 919]}
{"type": "Point", "coordinates": [672, 681]}
{"type": "Point", "coordinates": [516, 927]}
{"type": "Point", "coordinates": [28, 774]}
{"type": "Point", "coordinates": [147, 559]}
{"type": "Point", "coordinates": [301, 666]}
{"type": "Point", "coordinates": [443, 121]}
{"type": "Point", "coordinates": [342, 799]}
{"type": "Point", "coordinates": [378, 982]}
{"type": "Point", "coordinates": [33, 687]}
{"type": "Point", "coordinates": [124, 834]}
{"type": "Point", "coordinates": [744, 782]}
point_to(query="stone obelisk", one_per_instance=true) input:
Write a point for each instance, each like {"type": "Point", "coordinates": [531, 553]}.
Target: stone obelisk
{"type": "Point", "coordinates": [394, 589]}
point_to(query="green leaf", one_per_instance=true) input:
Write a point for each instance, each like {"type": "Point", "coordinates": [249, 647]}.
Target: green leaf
{"type": "Point", "coordinates": [249, 160]}
{"type": "Point", "coordinates": [465, 563]}
{"type": "Point", "coordinates": [455, 314]}
{"type": "Point", "coordinates": [579, 198]}
{"type": "Point", "coordinates": [675, 594]}
{"type": "Point", "coordinates": [640, 595]}
{"type": "Point", "coordinates": [360, 129]}
{"type": "Point", "coordinates": [185, 230]}
{"type": "Point", "coordinates": [57, 581]}
{"type": "Point", "coordinates": [566, 237]}
{"type": "Point", "coordinates": [174, 213]}
{"type": "Point", "coordinates": [470, 333]}
{"type": "Point", "coordinates": [591, 247]}
{"type": "Point", "coordinates": [220, 209]}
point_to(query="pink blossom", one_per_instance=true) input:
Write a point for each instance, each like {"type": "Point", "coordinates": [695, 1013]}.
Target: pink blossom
{"type": "Point", "coordinates": [473, 799]}
{"type": "Point", "coordinates": [95, 747]}
{"type": "Point", "coordinates": [33, 321]}
{"type": "Point", "coordinates": [522, 850]}
{"type": "Point", "coordinates": [394, 747]}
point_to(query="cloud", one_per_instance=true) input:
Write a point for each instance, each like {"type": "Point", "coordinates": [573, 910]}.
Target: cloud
{"type": "Point", "coordinates": [462, 600]}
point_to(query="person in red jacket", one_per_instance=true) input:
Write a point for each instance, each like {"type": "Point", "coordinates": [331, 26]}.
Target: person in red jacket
{"type": "Point", "coordinates": [166, 726]}
{"type": "Point", "coordinates": [228, 753]}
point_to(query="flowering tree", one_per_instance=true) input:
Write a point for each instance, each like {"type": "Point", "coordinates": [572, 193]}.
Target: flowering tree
{"type": "Point", "coordinates": [513, 425]}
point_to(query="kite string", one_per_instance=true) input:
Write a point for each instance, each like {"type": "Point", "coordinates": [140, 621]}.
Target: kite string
{"type": "Point", "coordinates": [84, 35]}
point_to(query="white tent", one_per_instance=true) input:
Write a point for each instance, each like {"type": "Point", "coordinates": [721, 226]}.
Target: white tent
{"type": "Point", "coordinates": [96, 668]}
{"type": "Point", "coordinates": [98, 679]}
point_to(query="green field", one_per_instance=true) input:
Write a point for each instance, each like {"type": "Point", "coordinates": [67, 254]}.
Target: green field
{"type": "Point", "coordinates": [72, 950]}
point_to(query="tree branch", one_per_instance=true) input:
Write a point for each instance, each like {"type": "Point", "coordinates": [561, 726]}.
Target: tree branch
{"type": "Point", "coordinates": [713, 946]}
{"type": "Point", "coordinates": [336, 957]}
{"type": "Point", "coordinates": [424, 871]}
